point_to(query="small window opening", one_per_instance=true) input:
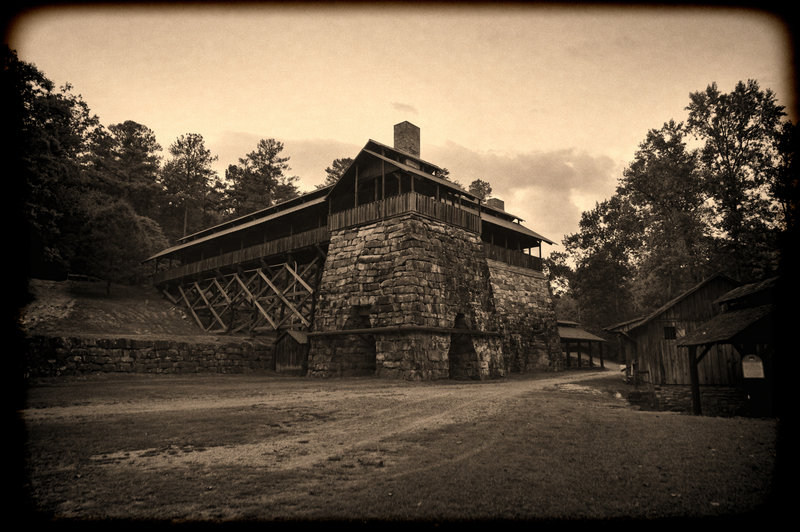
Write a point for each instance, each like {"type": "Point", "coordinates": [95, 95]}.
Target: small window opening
{"type": "Point", "coordinates": [669, 333]}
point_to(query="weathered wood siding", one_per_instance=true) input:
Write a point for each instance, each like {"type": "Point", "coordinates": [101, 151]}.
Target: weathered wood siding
{"type": "Point", "coordinates": [291, 356]}
{"type": "Point", "coordinates": [243, 256]}
{"type": "Point", "coordinates": [405, 203]}
{"type": "Point", "coordinates": [665, 363]}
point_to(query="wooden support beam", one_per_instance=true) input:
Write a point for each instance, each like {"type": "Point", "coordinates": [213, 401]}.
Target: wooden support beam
{"type": "Point", "coordinates": [298, 278]}
{"type": "Point", "coordinates": [254, 301]}
{"type": "Point", "coordinates": [191, 309]}
{"type": "Point", "coordinates": [169, 296]}
{"type": "Point", "coordinates": [281, 296]}
{"type": "Point", "coordinates": [210, 308]}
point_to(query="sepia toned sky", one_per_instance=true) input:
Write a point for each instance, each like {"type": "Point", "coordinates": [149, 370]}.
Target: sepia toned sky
{"type": "Point", "coordinates": [547, 103]}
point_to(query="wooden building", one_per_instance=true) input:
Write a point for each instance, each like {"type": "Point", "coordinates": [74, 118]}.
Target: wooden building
{"type": "Point", "coordinates": [393, 270]}
{"type": "Point", "coordinates": [649, 344]}
{"type": "Point", "coordinates": [577, 340]}
{"type": "Point", "coordinates": [746, 323]}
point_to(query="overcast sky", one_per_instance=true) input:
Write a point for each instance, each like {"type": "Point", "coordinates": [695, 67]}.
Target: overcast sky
{"type": "Point", "coordinates": [547, 104]}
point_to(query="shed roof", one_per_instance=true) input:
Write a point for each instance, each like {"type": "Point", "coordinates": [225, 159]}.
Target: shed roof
{"type": "Point", "coordinates": [726, 326]}
{"type": "Point", "coordinates": [436, 179]}
{"type": "Point", "coordinates": [624, 325]}
{"type": "Point", "coordinates": [570, 330]}
{"type": "Point", "coordinates": [748, 289]}
{"type": "Point", "coordinates": [490, 218]}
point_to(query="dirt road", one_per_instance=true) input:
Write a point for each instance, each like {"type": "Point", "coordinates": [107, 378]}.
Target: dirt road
{"type": "Point", "coordinates": [241, 447]}
{"type": "Point", "coordinates": [359, 416]}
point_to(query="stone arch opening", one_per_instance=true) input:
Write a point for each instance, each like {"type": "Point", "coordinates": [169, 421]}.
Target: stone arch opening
{"type": "Point", "coordinates": [357, 353]}
{"type": "Point", "coordinates": [462, 357]}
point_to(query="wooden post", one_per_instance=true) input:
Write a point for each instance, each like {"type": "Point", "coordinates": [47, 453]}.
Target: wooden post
{"type": "Point", "coordinates": [383, 189]}
{"type": "Point", "coordinates": [591, 359]}
{"type": "Point", "coordinates": [355, 199]}
{"type": "Point", "coordinates": [579, 353]}
{"type": "Point", "coordinates": [695, 380]}
{"type": "Point", "coordinates": [602, 365]}
{"type": "Point", "coordinates": [566, 348]}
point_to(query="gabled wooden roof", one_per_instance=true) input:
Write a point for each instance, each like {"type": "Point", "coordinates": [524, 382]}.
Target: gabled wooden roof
{"type": "Point", "coordinates": [638, 322]}
{"type": "Point", "coordinates": [379, 151]}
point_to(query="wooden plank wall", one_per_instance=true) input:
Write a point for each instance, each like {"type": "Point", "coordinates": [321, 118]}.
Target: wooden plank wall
{"type": "Point", "coordinates": [512, 257]}
{"type": "Point", "coordinates": [409, 202]}
{"type": "Point", "coordinates": [666, 362]}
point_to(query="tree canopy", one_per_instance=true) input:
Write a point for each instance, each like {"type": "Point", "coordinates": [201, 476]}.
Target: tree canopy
{"type": "Point", "coordinates": [99, 200]}
{"type": "Point", "coordinates": [680, 214]}
{"type": "Point", "coordinates": [335, 171]}
{"type": "Point", "coordinates": [260, 179]}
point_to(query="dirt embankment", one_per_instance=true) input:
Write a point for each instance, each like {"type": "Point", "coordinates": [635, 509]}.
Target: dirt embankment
{"type": "Point", "coordinates": [83, 308]}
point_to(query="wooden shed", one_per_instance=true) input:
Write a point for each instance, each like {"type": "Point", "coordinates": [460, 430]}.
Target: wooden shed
{"type": "Point", "coordinates": [575, 339]}
{"type": "Point", "coordinates": [650, 343]}
{"type": "Point", "coordinates": [746, 324]}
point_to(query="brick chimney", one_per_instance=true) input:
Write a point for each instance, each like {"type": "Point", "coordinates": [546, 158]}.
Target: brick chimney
{"type": "Point", "coordinates": [406, 138]}
{"type": "Point", "coordinates": [496, 203]}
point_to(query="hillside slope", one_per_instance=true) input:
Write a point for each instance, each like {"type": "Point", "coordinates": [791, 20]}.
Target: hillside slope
{"type": "Point", "coordinates": [82, 308]}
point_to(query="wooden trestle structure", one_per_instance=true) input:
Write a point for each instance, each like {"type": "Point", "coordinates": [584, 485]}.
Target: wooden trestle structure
{"type": "Point", "coordinates": [267, 298]}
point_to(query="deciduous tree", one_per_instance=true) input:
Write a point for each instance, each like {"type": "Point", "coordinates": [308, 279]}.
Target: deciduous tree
{"type": "Point", "coordinates": [739, 132]}
{"type": "Point", "coordinates": [664, 189]}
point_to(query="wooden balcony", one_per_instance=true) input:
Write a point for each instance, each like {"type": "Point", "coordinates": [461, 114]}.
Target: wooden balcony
{"type": "Point", "coordinates": [245, 255]}
{"type": "Point", "coordinates": [409, 202]}
{"type": "Point", "coordinates": [512, 257]}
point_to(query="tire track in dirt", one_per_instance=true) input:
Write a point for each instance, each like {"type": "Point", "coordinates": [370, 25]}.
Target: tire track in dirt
{"type": "Point", "coordinates": [356, 432]}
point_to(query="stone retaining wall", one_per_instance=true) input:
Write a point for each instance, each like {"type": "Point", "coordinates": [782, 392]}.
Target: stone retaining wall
{"type": "Point", "coordinates": [714, 400]}
{"type": "Point", "coordinates": [53, 356]}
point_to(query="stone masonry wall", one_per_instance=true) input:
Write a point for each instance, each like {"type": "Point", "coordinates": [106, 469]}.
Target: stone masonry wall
{"type": "Point", "coordinates": [724, 401]}
{"type": "Point", "coordinates": [527, 318]}
{"type": "Point", "coordinates": [53, 356]}
{"type": "Point", "coordinates": [406, 271]}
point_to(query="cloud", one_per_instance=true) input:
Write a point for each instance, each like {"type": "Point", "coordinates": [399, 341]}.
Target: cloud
{"type": "Point", "coordinates": [404, 107]}
{"type": "Point", "coordinates": [549, 190]}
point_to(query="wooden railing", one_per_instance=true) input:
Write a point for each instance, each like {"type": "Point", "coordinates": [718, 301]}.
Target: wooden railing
{"type": "Point", "coordinates": [512, 257]}
{"type": "Point", "coordinates": [249, 254]}
{"type": "Point", "coordinates": [410, 202]}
